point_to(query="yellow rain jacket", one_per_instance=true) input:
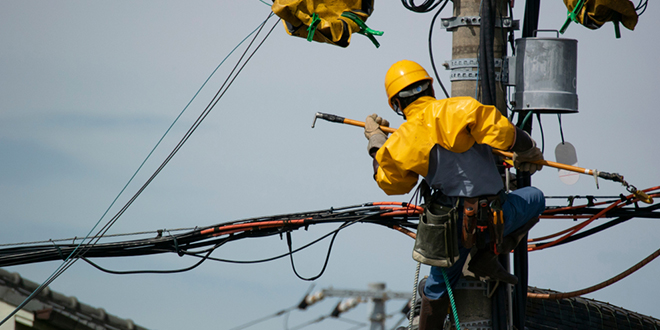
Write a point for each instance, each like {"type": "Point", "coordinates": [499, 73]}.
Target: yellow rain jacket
{"type": "Point", "coordinates": [595, 13]}
{"type": "Point", "coordinates": [329, 25]}
{"type": "Point", "coordinates": [453, 135]}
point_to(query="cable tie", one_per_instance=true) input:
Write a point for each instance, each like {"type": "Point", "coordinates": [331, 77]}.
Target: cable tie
{"type": "Point", "coordinates": [59, 251]}
{"type": "Point", "coordinates": [623, 197]}
{"type": "Point", "coordinates": [176, 244]}
{"type": "Point", "coordinates": [590, 200]}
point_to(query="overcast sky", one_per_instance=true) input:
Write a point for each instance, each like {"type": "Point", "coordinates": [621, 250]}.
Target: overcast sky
{"type": "Point", "coordinates": [88, 87]}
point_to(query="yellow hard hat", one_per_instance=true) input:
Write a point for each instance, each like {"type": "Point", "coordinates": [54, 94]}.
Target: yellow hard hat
{"type": "Point", "coordinates": [401, 75]}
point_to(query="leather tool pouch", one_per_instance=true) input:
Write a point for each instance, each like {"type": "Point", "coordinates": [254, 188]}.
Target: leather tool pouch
{"type": "Point", "coordinates": [437, 240]}
{"type": "Point", "coordinates": [469, 232]}
{"type": "Point", "coordinates": [481, 214]}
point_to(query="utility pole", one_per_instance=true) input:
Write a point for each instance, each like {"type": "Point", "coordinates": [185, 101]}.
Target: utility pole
{"type": "Point", "coordinates": [479, 45]}
{"type": "Point", "coordinates": [376, 294]}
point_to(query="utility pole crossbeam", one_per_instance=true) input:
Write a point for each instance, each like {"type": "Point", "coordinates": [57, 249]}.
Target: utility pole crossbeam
{"type": "Point", "coordinates": [378, 297]}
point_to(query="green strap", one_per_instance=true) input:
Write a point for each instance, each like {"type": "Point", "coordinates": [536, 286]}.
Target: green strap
{"type": "Point", "coordinates": [617, 30]}
{"type": "Point", "coordinates": [451, 299]}
{"type": "Point", "coordinates": [572, 16]}
{"type": "Point", "coordinates": [312, 27]}
{"type": "Point", "coordinates": [364, 29]}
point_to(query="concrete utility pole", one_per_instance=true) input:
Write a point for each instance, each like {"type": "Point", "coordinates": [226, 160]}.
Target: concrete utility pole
{"type": "Point", "coordinates": [465, 26]}
{"type": "Point", "coordinates": [470, 65]}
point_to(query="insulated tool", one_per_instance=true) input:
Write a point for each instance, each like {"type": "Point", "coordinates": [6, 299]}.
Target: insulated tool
{"type": "Point", "coordinates": [642, 196]}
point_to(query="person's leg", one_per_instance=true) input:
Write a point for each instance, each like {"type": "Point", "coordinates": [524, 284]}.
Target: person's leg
{"type": "Point", "coordinates": [435, 301]}
{"type": "Point", "coordinates": [521, 206]}
{"type": "Point", "coordinates": [521, 211]}
{"type": "Point", "coordinates": [435, 284]}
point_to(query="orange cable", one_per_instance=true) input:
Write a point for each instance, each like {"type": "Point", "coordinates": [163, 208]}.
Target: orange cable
{"type": "Point", "coordinates": [597, 286]}
{"type": "Point", "coordinates": [576, 228]}
{"type": "Point", "coordinates": [405, 231]}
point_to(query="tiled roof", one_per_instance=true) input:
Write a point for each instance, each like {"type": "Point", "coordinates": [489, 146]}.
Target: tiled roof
{"type": "Point", "coordinates": [57, 309]}
{"type": "Point", "coordinates": [582, 313]}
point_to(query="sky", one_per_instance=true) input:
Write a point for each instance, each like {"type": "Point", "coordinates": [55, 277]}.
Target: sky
{"type": "Point", "coordinates": [87, 88]}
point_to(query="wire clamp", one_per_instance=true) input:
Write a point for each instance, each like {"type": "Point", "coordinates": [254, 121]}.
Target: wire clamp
{"type": "Point", "coordinates": [452, 23]}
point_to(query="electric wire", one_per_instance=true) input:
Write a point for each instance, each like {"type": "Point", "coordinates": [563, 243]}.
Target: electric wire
{"type": "Point", "coordinates": [435, 71]}
{"type": "Point", "coordinates": [265, 318]}
{"type": "Point", "coordinates": [172, 271]}
{"type": "Point", "coordinates": [598, 286]}
{"type": "Point", "coordinates": [538, 117]}
{"type": "Point", "coordinates": [425, 7]}
{"type": "Point", "coordinates": [575, 229]}
{"type": "Point", "coordinates": [327, 258]}
{"type": "Point", "coordinates": [285, 311]}
{"type": "Point", "coordinates": [76, 253]}
{"type": "Point", "coordinates": [641, 7]}
{"type": "Point", "coordinates": [192, 129]}
{"type": "Point", "coordinates": [73, 239]}
{"type": "Point", "coordinates": [334, 232]}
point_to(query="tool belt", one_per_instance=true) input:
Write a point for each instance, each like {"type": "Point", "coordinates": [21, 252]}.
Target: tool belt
{"type": "Point", "coordinates": [481, 214]}
{"type": "Point", "coordinates": [436, 243]}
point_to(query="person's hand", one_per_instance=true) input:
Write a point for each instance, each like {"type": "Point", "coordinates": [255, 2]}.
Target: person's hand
{"type": "Point", "coordinates": [523, 160]}
{"type": "Point", "coordinates": [372, 126]}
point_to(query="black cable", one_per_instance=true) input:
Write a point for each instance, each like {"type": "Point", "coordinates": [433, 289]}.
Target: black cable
{"type": "Point", "coordinates": [486, 53]}
{"type": "Point", "coordinates": [561, 129]}
{"type": "Point", "coordinates": [195, 125]}
{"type": "Point", "coordinates": [425, 7]}
{"type": "Point", "coordinates": [188, 242]}
{"type": "Point", "coordinates": [170, 271]}
{"type": "Point", "coordinates": [642, 6]}
{"type": "Point", "coordinates": [538, 117]}
{"type": "Point", "coordinates": [327, 257]}
{"type": "Point", "coordinates": [437, 77]}
{"type": "Point", "coordinates": [272, 258]}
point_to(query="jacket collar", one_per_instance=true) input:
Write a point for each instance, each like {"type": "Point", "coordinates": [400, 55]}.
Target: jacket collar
{"type": "Point", "coordinates": [415, 108]}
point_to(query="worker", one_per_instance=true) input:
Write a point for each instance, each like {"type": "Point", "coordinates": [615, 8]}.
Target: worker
{"type": "Point", "coordinates": [448, 142]}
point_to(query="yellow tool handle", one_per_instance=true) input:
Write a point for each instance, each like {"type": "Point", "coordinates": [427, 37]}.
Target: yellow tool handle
{"type": "Point", "coordinates": [385, 129]}
{"type": "Point", "coordinates": [548, 163]}
{"type": "Point", "coordinates": [609, 176]}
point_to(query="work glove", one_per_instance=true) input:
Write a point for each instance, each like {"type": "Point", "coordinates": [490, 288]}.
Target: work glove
{"type": "Point", "coordinates": [372, 126]}
{"type": "Point", "coordinates": [522, 159]}
{"type": "Point", "coordinates": [374, 134]}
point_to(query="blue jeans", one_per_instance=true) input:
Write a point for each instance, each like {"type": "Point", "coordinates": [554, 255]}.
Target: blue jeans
{"type": "Point", "coordinates": [520, 206]}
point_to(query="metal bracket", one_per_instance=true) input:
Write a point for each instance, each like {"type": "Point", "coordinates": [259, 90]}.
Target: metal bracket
{"type": "Point", "coordinates": [468, 284]}
{"type": "Point", "coordinates": [452, 23]}
{"type": "Point", "coordinates": [481, 325]}
{"type": "Point", "coordinates": [467, 63]}
{"type": "Point", "coordinates": [459, 75]}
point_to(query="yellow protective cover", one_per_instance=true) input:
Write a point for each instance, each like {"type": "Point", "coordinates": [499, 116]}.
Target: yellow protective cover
{"type": "Point", "coordinates": [455, 124]}
{"type": "Point", "coordinates": [595, 13]}
{"type": "Point", "coordinates": [333, 28]}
